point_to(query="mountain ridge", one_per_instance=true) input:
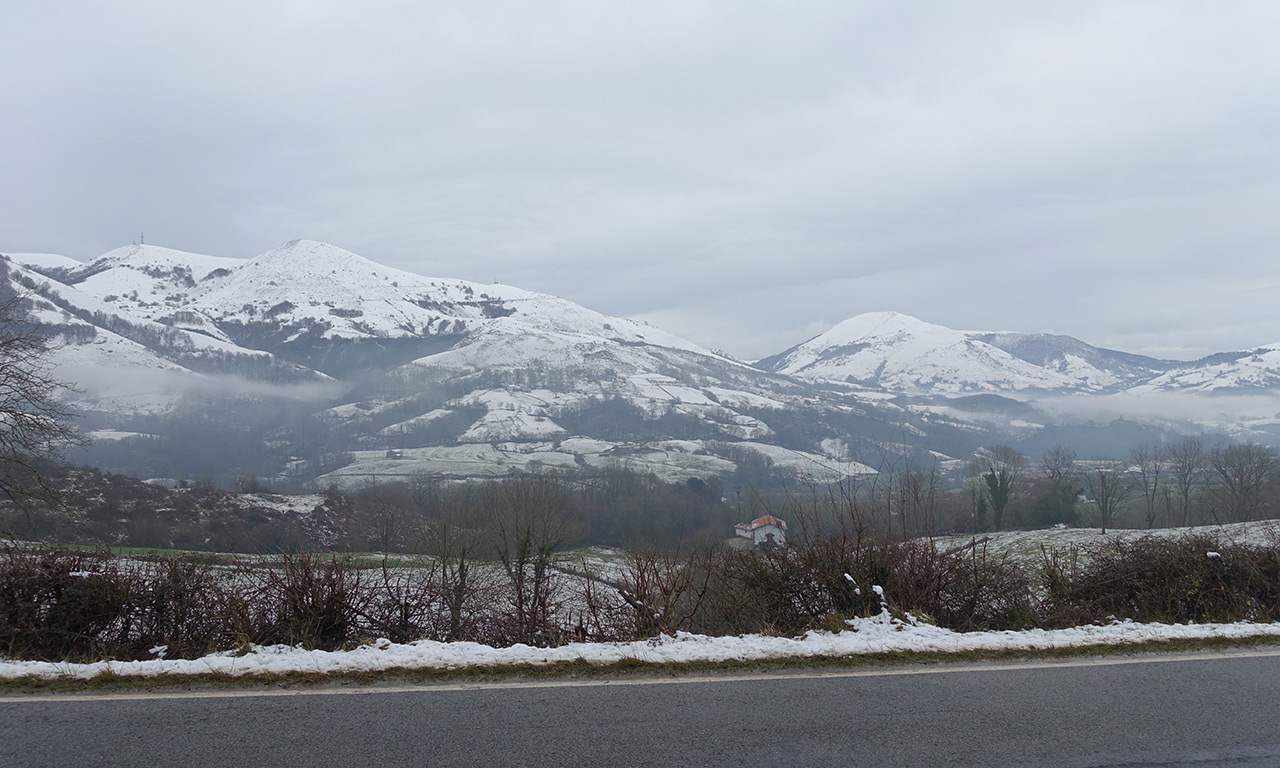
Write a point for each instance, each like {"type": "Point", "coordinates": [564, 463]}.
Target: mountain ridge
{"type": "Point", "coordinates": [905, 355]}
{"type": "Point", "coordinates": [468, 378]}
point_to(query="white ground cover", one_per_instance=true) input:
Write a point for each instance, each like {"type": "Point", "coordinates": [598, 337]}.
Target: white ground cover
{"type": "Point", "coordinates": [877, 634]}
{"type": "Point", "coordinates": [1024, 547]}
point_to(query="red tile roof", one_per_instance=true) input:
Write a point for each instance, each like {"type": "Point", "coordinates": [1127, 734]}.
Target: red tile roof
{"type": "Point", "coordinates": [760, 522]}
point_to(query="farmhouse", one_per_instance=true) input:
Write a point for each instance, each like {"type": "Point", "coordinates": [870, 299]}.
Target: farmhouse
{"type": "Point", "coordinates": [767, 531]}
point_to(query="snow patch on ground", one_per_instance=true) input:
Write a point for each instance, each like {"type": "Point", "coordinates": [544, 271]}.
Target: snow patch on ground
{"type": "Point", "coordinates": [877, 634]}
{"type": "Point", "coordinates": [733, 398]}
{"type": "Point", "coordinates": [509, 425]}
{"type": "Point", "coordinates": [299, 504]}
{"type": "Point", "coordinates": [665, 389]}
{"type": "Point", "coordinates": [108, 435]}
{"type": "Point", "coordinates": [1025, 547]}
{"type": "Point", "coordinates": [585, 445]}
{"type": "Point", "coordinates": [457, 461]}
{"type": "Point", "coordinates": [44, 260]}
{"type": "Point", "coordinates": [809, 464]}
{"type": "Point", "coordinates": [417, 421]}
{"type": "Point", "coordinates": [669, 465]}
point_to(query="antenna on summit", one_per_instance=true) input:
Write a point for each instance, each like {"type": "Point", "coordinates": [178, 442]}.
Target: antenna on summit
{"type": "Point", "coordinates": [142, 238]}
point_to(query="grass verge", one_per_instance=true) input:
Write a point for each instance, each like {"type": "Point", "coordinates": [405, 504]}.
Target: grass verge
{"type": "Point", "coordinates": [107, 682]}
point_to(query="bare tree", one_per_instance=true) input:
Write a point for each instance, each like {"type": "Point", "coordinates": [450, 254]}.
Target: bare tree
{"type": "Point", "coordinates": [1055, 492]}
{"type": "Point", "coordinates": [882, 491]}
{"type": "Point", "coordinates": [424, 489]}
{"type": "Point", "coordinates": [1148, 464]}
{"type": "Point", "coordinates": [978, 506]}
{"type": "Point", "coordinates": [1058, 463]}
{"type": "Point", "coordinates": [387, 516]}
{"type": "Point", "coordinates": [1246, 470]}
{"type": "Point", "coordinates": [1000, 468]}
{"type": "Point", "coordinates": [1186, 468]}
{"type": "Point", "coordinates": [35, 426]}
{"type": "Point", "coordinates": [454, 541]}
{"type": "Point", "coordinates": [1108, 490]}
{"type": "Point", "coordinates": [919, 494]}
{"type": "Point", "coordinates": [529, 523]}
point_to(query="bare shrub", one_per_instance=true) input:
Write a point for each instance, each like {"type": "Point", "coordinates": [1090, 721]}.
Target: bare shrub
{"type": "Point", "coordinates": [1189, 579]}
{"type": "Point", "coordinates": [979, 592]}
{"type": "Point", "coordinates": [597, 611]}
{"type": "Point", "coordinates": [60, 604]}
{"type": "Point", "coordinates": [401, 605]}
{"type": "Point", "coordinates": [751, 593]}
{"type": "Point", "coordinates": [179, 606]}
{"type": "Point", "coordinates": [73, 605]}
{"type": "Point", "coordinates": [664, 591]}
{"type": "Point", "coordinates": [308, 601]}
{"type": "Point", "coordinates": [787, 591]}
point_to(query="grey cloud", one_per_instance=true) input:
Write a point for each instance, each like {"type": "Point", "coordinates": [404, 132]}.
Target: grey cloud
{"type": "Point", "coordinates": [1170, 407]}
{"type": "Point", "coordinates": [739, 174]}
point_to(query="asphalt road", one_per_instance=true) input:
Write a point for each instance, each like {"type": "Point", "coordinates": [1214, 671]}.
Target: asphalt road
{"type": "Point", "coordinates": [1199, 710]}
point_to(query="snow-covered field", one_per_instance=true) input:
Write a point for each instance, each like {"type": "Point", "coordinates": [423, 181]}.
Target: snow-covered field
{"type": "Point", "coordinates": [877, 634]}
{"type": "Point", "coordinates": [670, 460]}
{"type": "Point", "coordinates": [1025, 547]}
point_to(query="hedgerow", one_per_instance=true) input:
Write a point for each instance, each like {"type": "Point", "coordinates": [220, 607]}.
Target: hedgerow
{"type": "Point", "coordinates": [65, 604]}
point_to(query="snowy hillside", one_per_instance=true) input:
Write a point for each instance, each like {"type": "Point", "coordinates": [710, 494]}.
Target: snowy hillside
{"type": "Point", "coordinates": [1092, 367]}
{"type": "Point", "coordinates": [304, 293]}
{"type": "Point", "coordinates": [306, 289]}
{"type": "Point", "coordinates": [902, 354]}
{"type": "Point", "coordinates": [457, 377]}
{"type": "Point", "coordinates": [43, 261]}
{"type": "Point", "coordinates": [1230, 372]}
{"type": "Point", "coordinates": [460, 377]}
{"type": "Point", "coordinates": [899, 353]}
{"type": "Point", "coordinates": [120, 315]}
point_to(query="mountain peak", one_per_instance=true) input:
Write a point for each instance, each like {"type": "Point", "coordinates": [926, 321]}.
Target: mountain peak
{"type": "Point", "coordinates": [149, 259]}
{"type": "Point", "coordinates": [42, 262]}
{"type": "Point", "coordinates": [905, 354]}
{"type": "Point", "coordinates": [311, 256]}
{"type": "Point", "coordinates": [326, 267]}
{"type": "Point", "coordinates": [881, 325]}
{"type": "Point", "coordinates": [298, 249]}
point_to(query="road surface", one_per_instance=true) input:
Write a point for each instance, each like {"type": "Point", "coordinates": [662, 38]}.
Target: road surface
{"type": "Point", "coordinates": [1208, 709]}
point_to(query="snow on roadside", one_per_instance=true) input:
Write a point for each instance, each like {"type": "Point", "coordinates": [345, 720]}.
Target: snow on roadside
{"type": "Point", "coordinates": [878, 634]}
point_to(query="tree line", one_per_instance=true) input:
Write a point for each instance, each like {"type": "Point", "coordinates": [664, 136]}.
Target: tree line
{"type": "Point", "coordinates": [1181, 482]}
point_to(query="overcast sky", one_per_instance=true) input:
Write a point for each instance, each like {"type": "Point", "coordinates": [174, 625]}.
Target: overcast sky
{"type": "Point", "coordinates": [742, 174]}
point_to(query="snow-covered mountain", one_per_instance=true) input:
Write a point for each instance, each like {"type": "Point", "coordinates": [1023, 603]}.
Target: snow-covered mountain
{"type": "Point", "coordinates": [905, 355]}
{"type": "Point", "coordinates": [121, 315]}
{"type": "Point", "coordinates": [305, 299]}
{"type": "Point", "coordinates": [899, 353]}
{"type": "Point", "coordinates": [441, 370]}
{"type": "Point", "coordinates": [1245, 372]}
{"type": "Point", "coordinates": [338, 369]}
{"type": "Point", "coordinates": [1092, 368]}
